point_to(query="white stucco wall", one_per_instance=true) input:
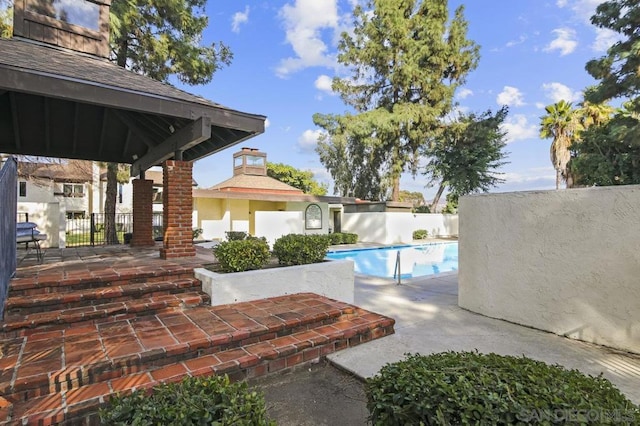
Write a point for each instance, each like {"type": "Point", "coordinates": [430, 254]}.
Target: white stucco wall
{"type": "Point", "coordinates": [47, 217]}
{"type": "Point", "coordinates": [273, 225]}
{"type": "Point", "coordinates": [563, 261]}
{"type": "Point", "coordinates": [398, 227]}
{"type": "Point", "coordinates": [334, 279]}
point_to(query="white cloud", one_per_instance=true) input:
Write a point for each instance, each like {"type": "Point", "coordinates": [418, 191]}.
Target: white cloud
{"type": "Point", "coordinates": [464, 93]}
{"type": "Point", "coordinates": [605, 38]}
{"type": "Point", "coordinates": [304, 22]}
{"type": "Point", "coordinates": [540, 105]}
{"type": "Point", "coordinates": [267, 123]}
{"type": "Point", "coordinates": [520, 40]}
{"type": "Point", "coordinates": [561, 3]}
{"type": "Point", "coordinates": [323, 83]}
{"type": "Point", "coordinates": [565, 41]}
{"type": "Point", "coordinates": [582, 9]}
{"type": "Point", "coordinates": [510, 96]}
{"type": "Point", "coordinates": [308, 140]}
{"type": "Point", "coordinates": [238, 19]}
{"type": "Point", "coordinates": [557, 91]}
{"type": "Point", "coordinates": [518, 128]}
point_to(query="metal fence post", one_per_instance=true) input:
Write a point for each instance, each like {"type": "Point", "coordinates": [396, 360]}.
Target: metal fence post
{"type": "Point", "coordinates": [92, 229]}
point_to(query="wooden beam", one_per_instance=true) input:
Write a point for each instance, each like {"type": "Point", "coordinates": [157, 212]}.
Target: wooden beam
{"type": "Point", "coordinates": [133, 126]}
{"type": "Point", "coordinates": [14, 119]}
{"type": "Point", "coordinates": [47, 125]}
{"type": "Point", "coordinates": [127, 141]}
{"type": "Point", "coordinates": [190, 135]}
{"type": "Point", "coordinates": [76, 125]}
{"type": "Point", "coordinates": [103, 131]}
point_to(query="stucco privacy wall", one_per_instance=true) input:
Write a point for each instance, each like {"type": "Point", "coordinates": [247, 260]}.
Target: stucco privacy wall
{"type": "Point", "coordinates": [563, 261]}
{"type": "Point", "coordinates": [48, 218]}
{"type": "Point", "coordinates": [398, 227]}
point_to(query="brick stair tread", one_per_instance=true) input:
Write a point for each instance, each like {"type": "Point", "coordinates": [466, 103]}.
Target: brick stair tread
{"type": "Point", "coordinates": [95, 294]}
{"type": "Point", "coordinates": [249, 361]}
{"type": "Point", "coordinates": [121, 347]}
{"type": "Point", "coordinates": [69, 280]}
{"type": "Point", "coordinates": [95, 312]}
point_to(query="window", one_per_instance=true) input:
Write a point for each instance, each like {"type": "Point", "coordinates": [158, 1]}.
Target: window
{"type": "Point", "coordinates": [313, 217]}
{"type": "Point", "coordinates": [255, 161]}
{"type": "Point", "coordinates": [73, 190]}
{"type": "Point", "coordinates": [75, 215]}
{"type": "Point", "coordinates": [22, 190]}
{"type": "Point", "coordinates": [119, 193]}
{"type": "Point", "coordinates": [77, 12]}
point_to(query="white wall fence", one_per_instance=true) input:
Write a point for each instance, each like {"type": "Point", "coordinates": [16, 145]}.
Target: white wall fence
{"type": "Point", "coordinates": [48, 217]}
{"type": "Point", "coordinates": [398, 227]}
{"type": "Point", "coordinates": [562, 261]}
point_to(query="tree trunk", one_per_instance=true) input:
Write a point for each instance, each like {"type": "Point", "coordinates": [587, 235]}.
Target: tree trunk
{"type": "Point", "coordinates": [395, 191]}
{"type": "Point", "coordinates": [558, 178]}
{"type": "Point", "coordinates": [110, 232]}
{"type": "Point", "coordinates": [436, 198]}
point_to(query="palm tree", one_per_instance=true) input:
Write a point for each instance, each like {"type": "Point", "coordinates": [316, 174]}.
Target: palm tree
{"type": "Point", "coordinates": [591, 114]}
{"type": "Point", "coordinates": [562, 124]}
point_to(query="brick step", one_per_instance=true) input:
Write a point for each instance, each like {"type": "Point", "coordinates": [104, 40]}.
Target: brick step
{"type": "Point", "coordinates": [43, 302]}
{"type": "Point", "coordinates": [22, 325]}
{"type": "Point", "coordinates": [62, 282]}
{"type": "Point", "coordinates": [80, 405]}
{"type": "Point", "coordinates": [53, 361]}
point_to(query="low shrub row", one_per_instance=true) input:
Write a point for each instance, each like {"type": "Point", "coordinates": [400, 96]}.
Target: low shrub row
{"type": "Point", "coordinates": [242, 252]}
{"type": "Point", "coordinates": [420, 234]}
{"type": "Point", "coordinates": [467, 388]}
{"type": "Point", "coordinates": [343, 238]}
{"type": "Point", "coordinates": [194, 401]}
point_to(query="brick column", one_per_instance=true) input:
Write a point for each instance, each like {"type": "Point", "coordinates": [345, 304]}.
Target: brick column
{"type": "Point", "coordinates": [177, 204]}
{"type": "Point", "coordinates": [142, 213]}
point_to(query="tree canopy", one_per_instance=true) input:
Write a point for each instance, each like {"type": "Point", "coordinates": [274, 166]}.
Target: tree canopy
{"type": "Point", "coordinates": [406, 60]}
{"type": "Point", "coordinates": [301, 179]}
{"type": "Point", "coordinates": [609, 152]}
{"type": "Point", "coordinates": [465, 158]}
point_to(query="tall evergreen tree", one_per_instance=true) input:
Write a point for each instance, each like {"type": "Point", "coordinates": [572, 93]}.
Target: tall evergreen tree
{"type": "Point", "coordinates": [301, 179]}
{"type": "Point", "coordinates": [160, 40]}
{"type": "Point", "coordinates": [467, 155]}
{"type": "Point", "coordinates": [407, 58]}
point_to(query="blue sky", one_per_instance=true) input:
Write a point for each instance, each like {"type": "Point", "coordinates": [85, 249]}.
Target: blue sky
{"type": "Point", "coordinates": [533, 53]}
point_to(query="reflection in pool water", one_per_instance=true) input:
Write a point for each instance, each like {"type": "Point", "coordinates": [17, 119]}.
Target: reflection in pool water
{"type": "Point", "coordinates": [415, 261]}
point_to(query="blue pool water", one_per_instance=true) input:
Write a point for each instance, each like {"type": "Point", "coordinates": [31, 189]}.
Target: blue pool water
{"type": "Point", "coordinates": [415, 261]}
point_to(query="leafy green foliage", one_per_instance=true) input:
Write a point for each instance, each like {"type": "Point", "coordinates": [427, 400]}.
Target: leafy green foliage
{"type": "Point", "coordinates": [467, 154]}
{"type": "Point", "coordinates": [242, 255]}
{"type": "Point", "coordinates": [452, 204]}
{"type": "Point", "coordinates": [335, 238]}
{"type": "Point", "coordinates": [194, 401]}
{"type": "Point", "coordinates": [299, 249]}
{"type": "Point", "coordinates": [300, 179]}
{"type": "Point", "coordinates": [414, 197]}
{"type": "Point", "coordinates": [407, 59]}
{"type": "Point", "coordinates": [236, 235]}
{"type": "Point", "coordinates": [6, 18]}
{"type": "Point", "coordinates": [196, 232]}
{"type": "Point", "coordinates": [161, 40]}
{"type": "Point", "coordinates": [608, 154]}
{"type": "Point", "coordinates": [422, 209]}
{"type": "Point", "coordinates": [472, 388]}
{"type": "Point", "coordinates": [420, 234]}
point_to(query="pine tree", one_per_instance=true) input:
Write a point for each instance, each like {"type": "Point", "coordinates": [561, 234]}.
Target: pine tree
{"type": "Point", "coordinates": [407, 58]}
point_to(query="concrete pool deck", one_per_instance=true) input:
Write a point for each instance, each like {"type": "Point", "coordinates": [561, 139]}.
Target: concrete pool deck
{"type": "Point", "coordinates": [429, 320]}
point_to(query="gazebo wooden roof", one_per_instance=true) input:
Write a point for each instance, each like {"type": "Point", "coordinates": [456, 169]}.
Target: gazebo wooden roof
{"type": "Point", "coordinates": [57, 103]}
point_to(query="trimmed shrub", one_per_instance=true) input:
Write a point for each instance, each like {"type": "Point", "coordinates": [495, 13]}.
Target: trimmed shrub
{"type": "Point", "coordinates": [194, 401]}
{"type": "Point", "coordinates": [420, 234]}
{"type": "Point", "coordinates": [335, 238]}
{"type": "Point", "coordinates": [472, 388]}
{"type": "Point", "coordinates": [349, 238]}
{"type": "Point", "coordinates": [299, 249]}
{"type": "Point", "coordinates": [236, 235]}
{"type": "Point", "coordinates": [242, 255]}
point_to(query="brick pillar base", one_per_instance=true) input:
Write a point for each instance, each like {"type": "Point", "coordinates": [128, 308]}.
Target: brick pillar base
{"type": "Point", "coordinates": [142, 213]}
{"type": "Point", "coordinates": [177, 204]}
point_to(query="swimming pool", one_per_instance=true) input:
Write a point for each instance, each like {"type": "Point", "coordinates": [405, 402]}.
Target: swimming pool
{"type": "Point", "coordinates": [415, 261]}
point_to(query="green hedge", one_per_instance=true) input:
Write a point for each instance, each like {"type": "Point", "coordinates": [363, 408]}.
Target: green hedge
{"type": "Point", "coordinates": [420, 234]}
{"type": "Point", "coordinates": [236, 235]}
{"type": "Point", "coordinates": [343, 238]}
{"type": "Point", "coordinates": [298, 249]}
{"type": "Point", "coordinates": [242, 255]}
{"type": "Point", "coordinates": [194, 401]}
{"type": "Point", "coordinates": [470, 388]}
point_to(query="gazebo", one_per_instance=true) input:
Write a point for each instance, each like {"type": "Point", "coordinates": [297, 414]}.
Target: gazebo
{"type": "Point", "coordinates": [61, 97]}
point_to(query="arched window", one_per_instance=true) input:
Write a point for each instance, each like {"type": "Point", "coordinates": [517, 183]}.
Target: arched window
{"type": "Point", "coordinates": [313, 217]}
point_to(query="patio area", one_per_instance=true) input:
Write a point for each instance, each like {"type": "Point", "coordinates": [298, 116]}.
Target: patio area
{"type": "Point", "coordinates": [89, 322]}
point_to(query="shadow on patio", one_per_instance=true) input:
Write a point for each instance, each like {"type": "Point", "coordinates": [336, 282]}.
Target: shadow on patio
{"type": "Point", "coordinates": [90, 322]}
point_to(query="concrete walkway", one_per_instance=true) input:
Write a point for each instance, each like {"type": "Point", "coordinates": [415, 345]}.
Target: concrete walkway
{"type": "Point", "coordinates": [428, 320]}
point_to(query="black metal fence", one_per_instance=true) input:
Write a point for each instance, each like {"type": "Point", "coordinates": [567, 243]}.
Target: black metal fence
{"type": "Point", "coordinates": [90, 231]}
{"type": "Point", "coordinates": [8, 214]}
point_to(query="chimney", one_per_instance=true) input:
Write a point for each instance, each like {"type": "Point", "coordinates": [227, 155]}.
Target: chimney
{"type": "Point", "coordinates": [79, 25]}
